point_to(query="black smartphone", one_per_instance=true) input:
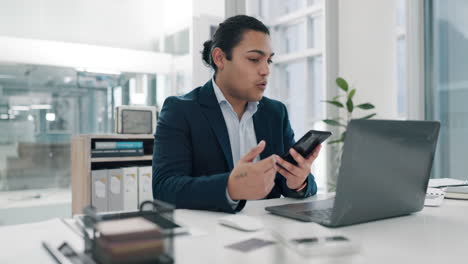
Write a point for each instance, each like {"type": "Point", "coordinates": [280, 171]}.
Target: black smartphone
{"type": "Point", "coordinates": [307, 144]}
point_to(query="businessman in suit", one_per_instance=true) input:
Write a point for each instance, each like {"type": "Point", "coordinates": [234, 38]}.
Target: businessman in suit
{"type": "Point", "coordinates": [217, 146]}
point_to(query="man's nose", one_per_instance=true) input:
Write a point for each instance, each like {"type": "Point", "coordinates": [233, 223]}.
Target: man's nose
{"type": "Point", "coordinates": [265, 69]}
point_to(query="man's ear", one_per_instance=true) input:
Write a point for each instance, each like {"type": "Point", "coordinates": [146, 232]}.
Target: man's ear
{"type": "Point", "coordinates": [219, 57]}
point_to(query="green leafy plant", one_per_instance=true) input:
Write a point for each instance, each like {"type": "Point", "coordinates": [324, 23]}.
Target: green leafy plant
{"type": "Point", "coordinates": [347, 104]}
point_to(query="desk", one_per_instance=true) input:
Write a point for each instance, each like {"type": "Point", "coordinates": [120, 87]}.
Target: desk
{"type": "Point", "coordinates": [434, 235]}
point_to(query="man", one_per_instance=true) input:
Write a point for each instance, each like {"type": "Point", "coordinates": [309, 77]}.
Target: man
{"type": "Point", "coordinates": [201, 135]}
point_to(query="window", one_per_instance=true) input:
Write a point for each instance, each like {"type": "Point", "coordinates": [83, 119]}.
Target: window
{"type": "Point", "coordinates": [42, 107]}
{"type": "Point", "coordinates": [401, 65]}
{"type": "Point", "coordinates": [297, 75]}
{"type": "Point", "coordinates": [447, 84]}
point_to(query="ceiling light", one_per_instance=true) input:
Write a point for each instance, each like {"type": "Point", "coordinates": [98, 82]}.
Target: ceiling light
{"type": "Point", "coordinates": [50, 117]}
{"type": "Point", "coordinates": [67, 79]}
{"type": "Point", "coordinates": [41, 106]}
{"type": "Point", "coordinates": [20, 108]}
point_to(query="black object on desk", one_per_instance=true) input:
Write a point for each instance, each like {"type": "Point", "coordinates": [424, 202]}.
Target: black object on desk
{"type": "Point", "coordinates": [155, 211]}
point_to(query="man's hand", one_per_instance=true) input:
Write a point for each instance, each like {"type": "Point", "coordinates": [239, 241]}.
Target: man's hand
{"type": "Point", "coordinates": [252, 181]}
{"type": "Point", "coordinates": [297, 175]}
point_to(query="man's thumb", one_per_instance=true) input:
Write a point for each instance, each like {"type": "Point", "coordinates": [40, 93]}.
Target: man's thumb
{"type": "Point", "coordinates": [254, 152]}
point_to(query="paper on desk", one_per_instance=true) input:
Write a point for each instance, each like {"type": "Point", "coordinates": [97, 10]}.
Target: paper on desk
{"type": "Point", "coordinates": [434, 197]}
{"type": "Point", "coordinates": [434, 183]}
{"type": "Point", "coordinates": [28, 237]}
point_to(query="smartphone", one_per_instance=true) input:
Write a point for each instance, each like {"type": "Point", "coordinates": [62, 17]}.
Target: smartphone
{"type": "Point", "coordinates": [318, 246]}
{"type": "Point", "coordinates": [307, 144]}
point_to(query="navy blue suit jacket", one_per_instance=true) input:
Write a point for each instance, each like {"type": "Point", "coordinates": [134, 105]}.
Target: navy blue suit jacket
{"type": "Point", "coordinates": [192, 156]}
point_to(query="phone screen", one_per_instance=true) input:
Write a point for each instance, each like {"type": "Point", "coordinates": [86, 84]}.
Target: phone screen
{"type": "Point", "coordinates": [307, 144]}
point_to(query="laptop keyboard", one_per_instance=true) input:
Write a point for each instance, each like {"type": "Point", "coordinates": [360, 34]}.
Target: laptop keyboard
{"type": "Point", "coordinates": [320, 215]}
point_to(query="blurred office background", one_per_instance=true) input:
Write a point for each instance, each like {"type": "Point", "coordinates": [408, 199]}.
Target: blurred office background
{"type": "Point", "coordinates": [66, 64]}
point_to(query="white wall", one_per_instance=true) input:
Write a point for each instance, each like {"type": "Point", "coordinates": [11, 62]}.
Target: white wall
{"type": "Point", "coordinates": [177, 14]}
{"type": "Point", "coordinates": [367, 56]}
{"type": "Point", "coordinates": [90, 57]}
{"type": "Point", "coordinates": [124, 23]}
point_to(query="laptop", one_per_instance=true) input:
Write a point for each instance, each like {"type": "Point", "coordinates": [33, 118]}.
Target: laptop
{"type": "Point", "coordinates": [385, 170]}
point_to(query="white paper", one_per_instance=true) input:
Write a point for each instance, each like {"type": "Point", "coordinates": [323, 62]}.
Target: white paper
{"type": "Point", "coordinates": [115, 185]}
{"type": "Point", "coordinates": [444, 182]}
{"type": "Point", "coordinates": [100, 189]}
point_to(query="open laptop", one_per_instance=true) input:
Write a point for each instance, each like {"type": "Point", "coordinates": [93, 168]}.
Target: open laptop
{"type": "Point", "coordinates": [384, 173]}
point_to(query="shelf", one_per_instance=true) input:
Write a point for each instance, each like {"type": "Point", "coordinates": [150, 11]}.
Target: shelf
{"type": "Point", "coordinates": [117, 136]}
{"type": "Point", "coordinates": [112, 159]}
{"type": "Point", "coordinates": [82, 163]}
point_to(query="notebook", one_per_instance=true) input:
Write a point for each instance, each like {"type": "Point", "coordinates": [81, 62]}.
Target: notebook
{"type": "Point", "coordinates": [458, 192]}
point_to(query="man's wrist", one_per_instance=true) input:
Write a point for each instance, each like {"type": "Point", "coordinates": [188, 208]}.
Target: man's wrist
{"type": "Point", "coordinates": [301, 187]}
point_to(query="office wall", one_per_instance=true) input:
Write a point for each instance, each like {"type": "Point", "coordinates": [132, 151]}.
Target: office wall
{"type": "Point", "coordinates": [124, 24]}
{"type": "Point", "coordinates": [367, 51]}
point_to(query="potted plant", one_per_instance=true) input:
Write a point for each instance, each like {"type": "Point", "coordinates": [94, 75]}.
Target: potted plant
{"type": "Point", "coordinates": [343, 101]}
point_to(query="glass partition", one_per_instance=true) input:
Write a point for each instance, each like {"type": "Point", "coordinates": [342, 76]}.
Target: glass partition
{"type": "Point", "coordinates": [42, 107]}
{"type": "Point", "coordinates": [447, 83]}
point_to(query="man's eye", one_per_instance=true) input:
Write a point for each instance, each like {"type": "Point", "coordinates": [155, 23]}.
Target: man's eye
{"type": "Point", "coordinates": [253, 60]}
{"type": "Point", "coordinates": [270, 61]}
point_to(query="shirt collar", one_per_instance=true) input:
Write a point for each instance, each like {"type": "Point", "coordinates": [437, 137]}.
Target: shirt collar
{"type": "Point", "coordinates": [251, 106]}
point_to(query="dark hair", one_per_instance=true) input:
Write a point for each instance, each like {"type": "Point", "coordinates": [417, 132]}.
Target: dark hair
{"type": "Point", "coordinates": [229, 34]}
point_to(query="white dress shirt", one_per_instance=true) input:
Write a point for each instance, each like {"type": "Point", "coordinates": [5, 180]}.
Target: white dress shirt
{"type": "Point", "coordinates": [241, 132]}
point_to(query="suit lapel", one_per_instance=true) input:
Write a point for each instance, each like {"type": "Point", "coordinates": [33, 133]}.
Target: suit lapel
{"type": "Point", "coordinates": [263, 130]}
{"type": "Point", "coordinates": [212, 111]}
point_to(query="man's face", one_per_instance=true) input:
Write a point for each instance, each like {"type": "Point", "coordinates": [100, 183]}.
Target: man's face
{"type": "Point", "coordinates": [246, 73]}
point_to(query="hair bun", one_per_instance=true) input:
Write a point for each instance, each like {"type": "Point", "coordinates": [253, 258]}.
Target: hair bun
{"type": "Point", "coordinates": [206, 54]}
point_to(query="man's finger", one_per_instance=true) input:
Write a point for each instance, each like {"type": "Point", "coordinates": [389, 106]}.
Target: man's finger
{"type": "Point", "coordinates": [254, 152]}
{"type": "Point", "coordinates": [288, 175]}
{"type": "Point", "coordinates": [297, 157]}
{"type": "Point", "coordinates": [267, 163]}
{"type": "Point", "coordinates": [311, 158]}
{"type": "Point", "coordinates": [271, 172]}
{"type": "Point", "coordinates": [288, 166]}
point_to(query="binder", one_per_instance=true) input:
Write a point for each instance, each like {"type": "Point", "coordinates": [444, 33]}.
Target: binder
{"type": "Point", "coordinates": [99, 190]}
{"type": "Point", "coordinates": [130, 188]}
{"type": "Point", "coordinates": [115, 190]}
{"type": "Point", "coordinates": [119, 145]}
{"type": "Point", "coordinates": [145, 186]}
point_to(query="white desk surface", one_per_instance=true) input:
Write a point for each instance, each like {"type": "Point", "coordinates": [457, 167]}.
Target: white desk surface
{"type": "Point", "coordinates": [434, 235]}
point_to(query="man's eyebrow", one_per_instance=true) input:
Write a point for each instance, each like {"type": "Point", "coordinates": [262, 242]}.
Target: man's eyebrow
{"type": "Point", "coordinates": [261, 52]}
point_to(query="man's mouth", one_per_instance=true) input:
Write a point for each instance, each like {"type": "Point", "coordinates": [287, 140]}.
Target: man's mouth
{"type": "Point", "coordinates": [262, 85]}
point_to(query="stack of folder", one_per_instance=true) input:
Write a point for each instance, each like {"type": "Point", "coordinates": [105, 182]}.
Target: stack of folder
{"type": "Point", "coordinates": [131, 240]}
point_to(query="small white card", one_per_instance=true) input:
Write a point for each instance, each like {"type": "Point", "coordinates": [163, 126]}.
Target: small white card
{"type": "Point", "coordinates": [115, 184]}
{"type": "Point", "coordinates": [434, 197]}
{"type": "Point", "coordinates": [146, 183]}
{"type": "Point", "coordinates": [131, 182]}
